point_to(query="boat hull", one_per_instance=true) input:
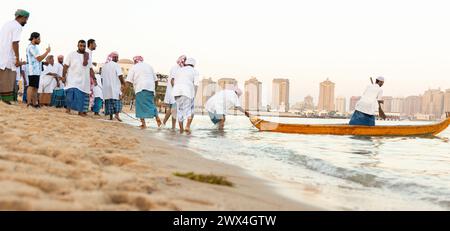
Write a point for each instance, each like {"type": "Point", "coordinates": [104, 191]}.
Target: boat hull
{"type": "Point", "coordinates": [344, 129]}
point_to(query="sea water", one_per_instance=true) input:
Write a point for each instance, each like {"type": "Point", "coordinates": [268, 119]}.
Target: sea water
{"type": "Point", "coordinates": [332, 172]}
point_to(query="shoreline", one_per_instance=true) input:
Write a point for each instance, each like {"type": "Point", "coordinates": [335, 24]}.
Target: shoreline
{"type": "Point", "coordinates": [53, 161]}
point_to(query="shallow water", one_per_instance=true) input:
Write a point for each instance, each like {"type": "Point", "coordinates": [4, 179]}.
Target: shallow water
{"type": "Point", "coordinates": [333, 172]}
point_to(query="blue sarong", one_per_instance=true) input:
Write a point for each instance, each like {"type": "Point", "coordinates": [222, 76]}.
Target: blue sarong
{"type": "Point", "coordinates": [58, 98]}
{"type": "Point", "coordinates": [363, 119]}
{"type": "Point", "coordinates": [98, 104]}
{"type": "Point", "coordinates": [216, 118]}
{"type": "Point", "coordinates": [77, 100]}
{"type": "Point", "coordinates": [113, 106]}
{"type": "Point", "coordinates": [145, 105]}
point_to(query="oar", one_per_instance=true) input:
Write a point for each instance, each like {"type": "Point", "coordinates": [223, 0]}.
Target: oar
{"type": "Point", "coordinates": [380, 110]}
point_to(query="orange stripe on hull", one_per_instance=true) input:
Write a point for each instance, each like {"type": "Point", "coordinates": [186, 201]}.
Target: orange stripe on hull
{"type": "Point", "coordinates": [343, 129]}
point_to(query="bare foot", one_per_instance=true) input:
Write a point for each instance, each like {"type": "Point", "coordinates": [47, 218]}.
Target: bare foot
{"type": "Point", "coordinates": [68, 111]}
{"type": "Point", "coordinates": [117, 118]}
{"type": "Point", "coordinates": [82, 114]}
{"type": "Point", "coordinates": [143, 126]}
{"type": "Point", "coordinates": [159, 123]}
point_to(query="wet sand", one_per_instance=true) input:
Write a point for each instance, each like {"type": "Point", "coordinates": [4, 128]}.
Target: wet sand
{"type": "Point", "coordinates": [50, 160]}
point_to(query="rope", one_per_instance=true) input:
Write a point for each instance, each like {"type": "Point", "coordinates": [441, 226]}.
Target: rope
{"type": "Point", "coordinates": [130, 116]}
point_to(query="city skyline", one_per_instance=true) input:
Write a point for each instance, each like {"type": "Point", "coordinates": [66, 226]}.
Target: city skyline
{"type": "Point", "coordinates": [323, 44]}
{"type": "Point", "coordinates": [433, 102]}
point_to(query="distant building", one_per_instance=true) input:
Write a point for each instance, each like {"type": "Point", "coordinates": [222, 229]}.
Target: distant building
{"type": "Point", "coordinates": [206, 89]}
{"type": "Point", "coordinates": [326, 96]}
{"type": "Point", "coordinates": [353, 101]}
{"type": "Point", "coordinates": [387, 105]}
{"type": "Point", "coordinates": [309, 103]}
{"type": "Point", "coordinates": [125, 65]}
{"type": "Point", "coordinates": [447, 101]}
{"type": "Point", "coordinates": [227, 83]}
{"type": "Point", "coordinates": [433, 103]}
{"type": "Point", "coordinates": [397, 105]}
{"type": "Point", "coordinates": [412, 105]}
{"type": "Point", "coordinates": [341, 105]}
{"type": "Point", "coordinates": [253, 95]}
{"type": "Point", "coordinates": [280, 95]}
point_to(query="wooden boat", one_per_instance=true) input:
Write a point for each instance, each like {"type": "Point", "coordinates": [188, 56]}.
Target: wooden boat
{"type": "Point", "coordinates": [345, 129]}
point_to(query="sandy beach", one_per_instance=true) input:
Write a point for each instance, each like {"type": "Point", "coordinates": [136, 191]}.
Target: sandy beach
{"type": "Point", "coordinates": [50, 160]}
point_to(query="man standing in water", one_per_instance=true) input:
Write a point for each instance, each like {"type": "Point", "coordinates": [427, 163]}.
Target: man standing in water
{"type": "Point", "coordinates": [367, 106]}
{"type": "Point", "coordinates": [218, 105]}
{"type": "Point", "coordinates": [9, 54]}
{"type": "Point", "coordinates": [169, 100]}
{"type": "Point", "coordinates": [76, 78]}
{"type": "Point", "coordinates": [112, 83]}
{"type": "Point", "coordinates": [184, 89]}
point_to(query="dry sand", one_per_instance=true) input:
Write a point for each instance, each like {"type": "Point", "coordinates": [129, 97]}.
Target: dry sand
{"type": "Point", "coordinates": [50, 160]}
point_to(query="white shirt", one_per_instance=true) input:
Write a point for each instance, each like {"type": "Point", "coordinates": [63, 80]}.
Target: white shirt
{"type": "Point", "coordinates": [168, 98]}
{"type": "Point", "coordinates": [34, 67]}
{"type": "Point", "coordinates": [59, 69]}
{"type": "Point", "coordinates": [185, 81]}
{"type": "Point", "coordinates": [47, 83]}
{"type": "Point", "coordinates": [9, 33]}
{"type": "Point", "coordinates": [111, 82]}
{"type": "Point", "coordinates": [142, 76]}
{"type": "Point", "coordinates": [222, 101]}
{"type": "Point", "coordinates": [98, 92]}
{"type": "Point", "coordinates": [77, 74]}
{"type": "Point", "coordinates": [368, 103]}
{"type": "Point", "coordinates": [90, 57]}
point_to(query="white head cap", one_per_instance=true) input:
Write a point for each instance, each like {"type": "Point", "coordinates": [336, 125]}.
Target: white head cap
{"type": "Point", "coordinates": [238, 91]}
{"type": "Point", "coordinates": [380, 78]}
{"type": "Point", "coordinates": [190, 61]}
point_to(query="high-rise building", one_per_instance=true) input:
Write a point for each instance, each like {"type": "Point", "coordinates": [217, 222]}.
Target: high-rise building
{"type": "Point", "coordinates": [387, 105]}
{"type": "Point", "coordinates": [412, 105]}
{"type": "Point", "coordinates": [397, 105]}
{"type": "Point", "coordinates": [309, 103]}
{"type": "Point", "coordinates": [280, 94]}
{"type": "Point", "coordinates": [447, 101]}
{"type": "Point", "coordinates": [433, 102]}
{"type": "Point", "coordinates": [206, 89]}
{"type": "Point", "coordinates": [353, 101]}
{"type": "Point", "coordinates": [226, 83]}
{"type": "Point", "coordinates": [326, 96]}
{"type": "Point", "coordinates": [253, 94]}
{"type": "Point", "coordinates": [341, 104]}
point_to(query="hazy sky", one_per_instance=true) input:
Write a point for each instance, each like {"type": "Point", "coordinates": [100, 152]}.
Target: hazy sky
{"type": "Point", "coordinates": [406, 41]}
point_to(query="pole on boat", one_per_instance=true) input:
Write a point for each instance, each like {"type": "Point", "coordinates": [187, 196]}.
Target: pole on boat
{"type": "Point", "coordinates": [380, 109]}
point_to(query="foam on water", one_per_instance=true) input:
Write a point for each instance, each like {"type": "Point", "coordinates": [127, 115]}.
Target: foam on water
{"type": "Point", "coordinates": [337, 172]}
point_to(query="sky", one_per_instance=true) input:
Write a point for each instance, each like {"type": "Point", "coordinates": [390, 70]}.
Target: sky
{"type": "Point", "coordinates": [347, 41]}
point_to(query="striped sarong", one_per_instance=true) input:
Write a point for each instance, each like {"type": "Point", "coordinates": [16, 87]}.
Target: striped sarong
{"type": "Point", "coordinates": [98, 104]}
{"type": "Point", "coordinates": [77, 100]}
{"type": "Point", "coordinates": [58, 98]}
{"type": "Point", "coordinates": [7, 84]}
{"type": "Point", "coordinates": [113, 106]}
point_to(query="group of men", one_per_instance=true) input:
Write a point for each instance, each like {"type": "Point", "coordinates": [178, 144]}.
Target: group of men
{"type": "Point", "coordinates": [72, 83]}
